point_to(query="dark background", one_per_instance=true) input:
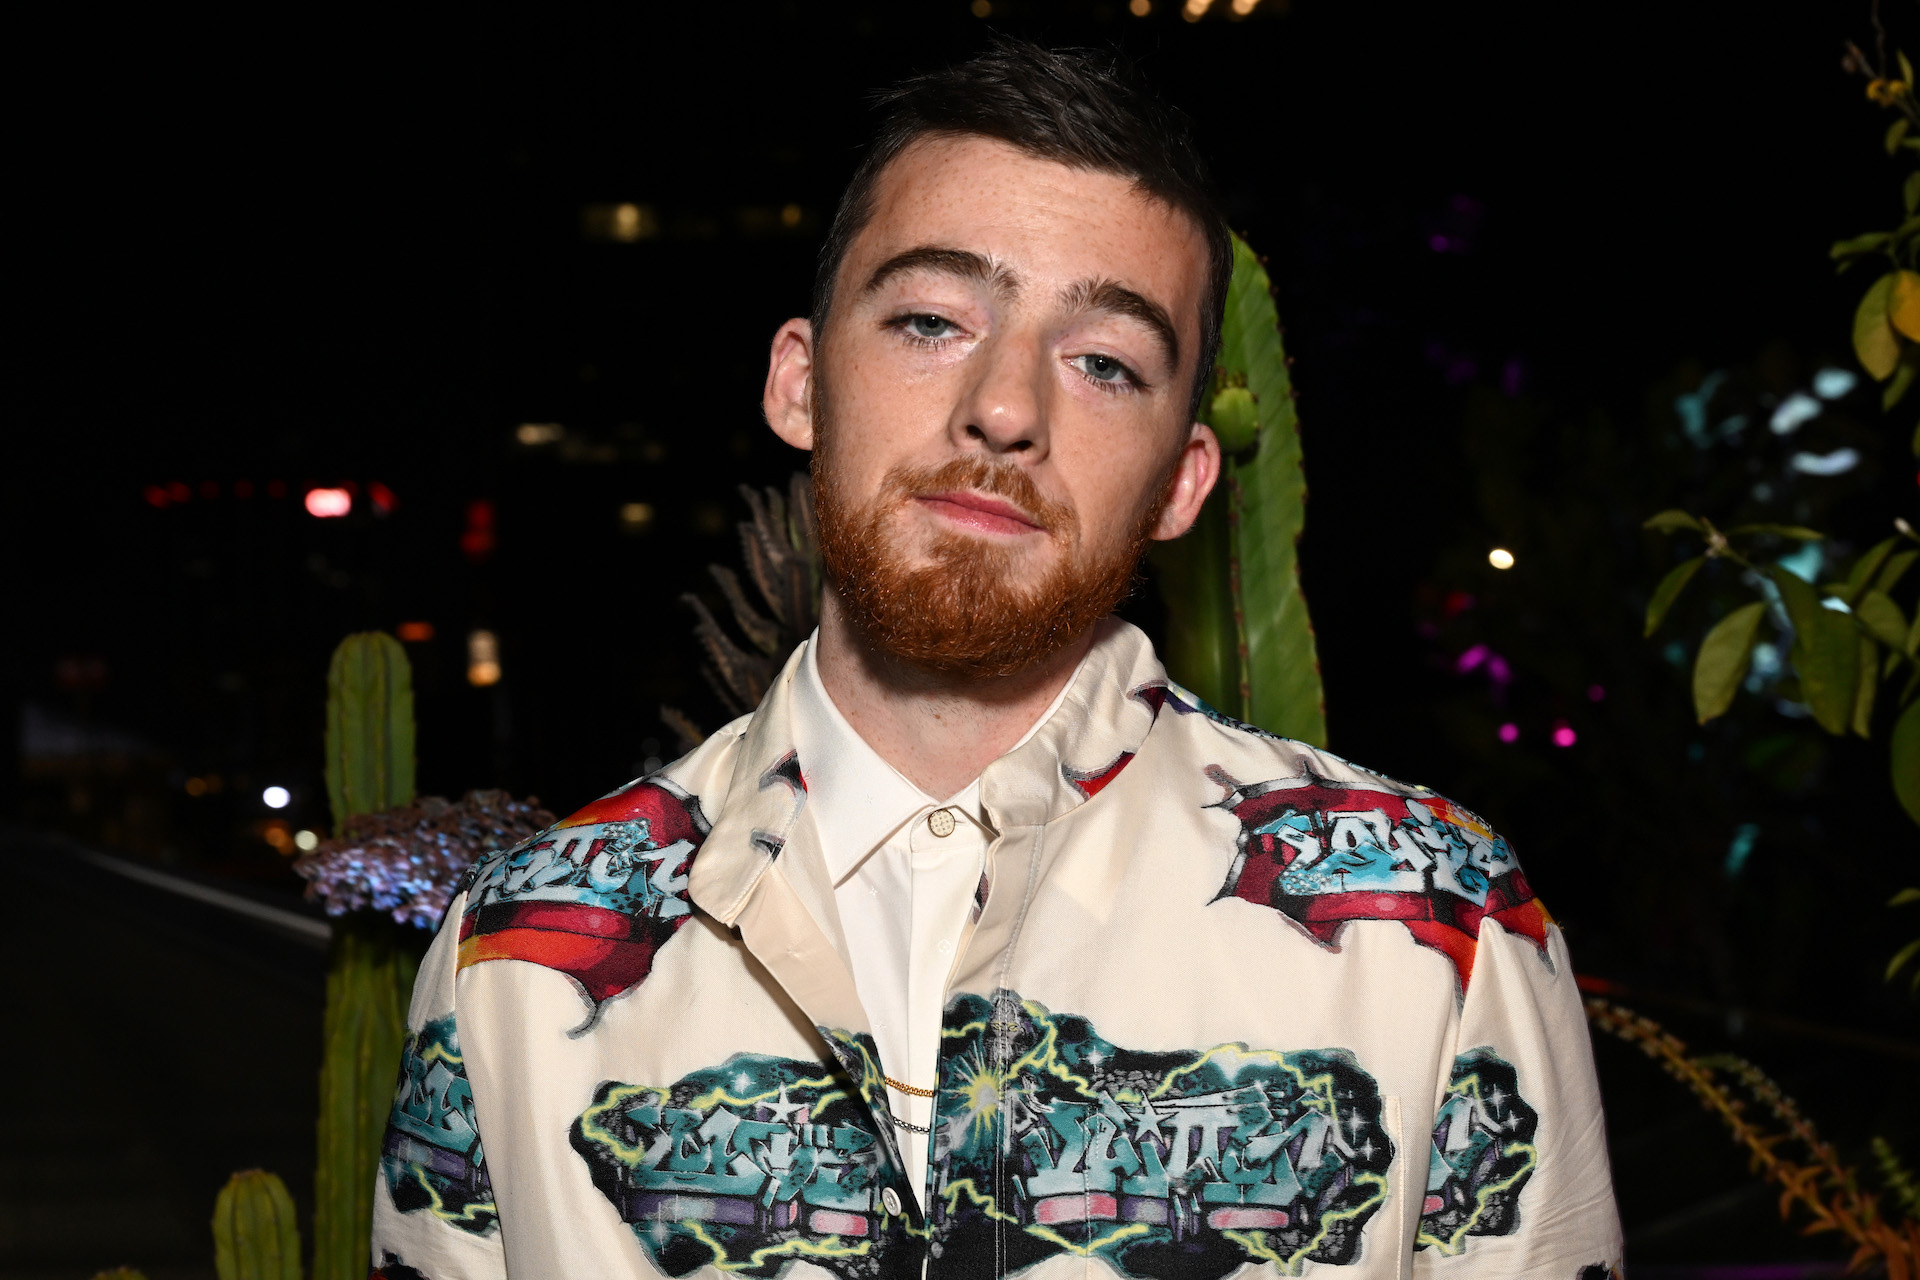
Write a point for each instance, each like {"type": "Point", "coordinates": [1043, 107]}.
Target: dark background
{"type": "Point", "coordinates": [306, 249]}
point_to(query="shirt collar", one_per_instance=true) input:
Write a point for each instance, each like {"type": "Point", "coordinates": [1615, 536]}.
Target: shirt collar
{"type": "Point", "coordinates": [857, 798]}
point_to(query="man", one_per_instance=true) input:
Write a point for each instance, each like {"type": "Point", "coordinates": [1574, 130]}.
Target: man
{"type": "Point", "coordinates": [980, 947]}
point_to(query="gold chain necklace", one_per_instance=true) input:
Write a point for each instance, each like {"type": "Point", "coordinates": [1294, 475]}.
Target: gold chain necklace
{"type": "Point", "coordinates": [908, 1089]}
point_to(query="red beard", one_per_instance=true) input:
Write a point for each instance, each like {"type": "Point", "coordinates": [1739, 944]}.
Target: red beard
{"type": "Point", "coordinates": [960, 614]}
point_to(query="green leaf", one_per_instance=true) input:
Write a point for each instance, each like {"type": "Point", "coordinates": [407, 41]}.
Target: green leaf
{"type": "Point", "coordinates": [1912, 190]}
{"type": "Point", "coordinates": [1912, 646]}
{"type": "Point", "coordinates": [1801, 532]}
{"type": "Point", "coordinates": [1858, 245]}
{"type": "Point", "coordinates": [1904, 757]}
{"type": "Point", "coordinates": [1284, 693]}
{"type": "Point", "coordinates": [1873, 337]}
{"type": "Point", "coordinates": [1901, 957]}
{"type": "Point", "coordinates": [1722, 662]}
{"type": "Point", "coordinates": [1865, 567]}
{"type": "Point", "coordinates": [1896, 568]}
{"type": "Point", "coordinates": [1902, 379]}
{"type": "Point", "coordinates": [1895, 132]}
{"type": "Point", "coordinates": [1882, 619]}
{"type": "Point", "coordinates": [1671, 519]}
{"type": "Point", "coordinates": [1865, 687]}
{"type": "Point", "coordinates": [1669, 590]}
{"type": "Point", "coordinates": [1906, 69]}
{"type": "Point", "coordinates": [1903, 897]}
{"type": "Point", "coordinates": [1825, 651]}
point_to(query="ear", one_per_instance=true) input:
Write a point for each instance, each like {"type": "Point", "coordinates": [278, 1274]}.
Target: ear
{"type": "Point", "coordinates": [1193, 477]}
{"type": "Point", "coordinates": [788, 398]}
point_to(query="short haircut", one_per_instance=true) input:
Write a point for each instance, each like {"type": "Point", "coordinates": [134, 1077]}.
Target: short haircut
{"type": "Point", "coordinates": [1080, 108]}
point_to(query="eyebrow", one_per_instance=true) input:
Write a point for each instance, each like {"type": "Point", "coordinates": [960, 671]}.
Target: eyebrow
{"type": "Point", "coordinates": [1088, 295]}
{"type": "Point", "coordinates": [963, 263]}
{"type": "Point", "coordinates": [1116, 299]}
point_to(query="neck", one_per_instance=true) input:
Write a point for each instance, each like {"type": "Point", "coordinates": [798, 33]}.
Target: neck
{"type": "Point", "coordinates": [940, 731]}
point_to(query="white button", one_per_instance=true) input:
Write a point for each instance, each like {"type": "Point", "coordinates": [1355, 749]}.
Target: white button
{"type": "Point", "coordinates": [946, 945]}
{"type": "Point", "coordinates": [891, 1199]}
{"type": "Point", "coordinates": [941, 823]}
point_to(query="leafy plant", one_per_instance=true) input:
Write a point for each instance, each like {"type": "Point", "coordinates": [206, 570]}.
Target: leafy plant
{"type": "Point", "coordinates": [1238, 633]}
{"type": "Point", "coordinates": [1886, 324]}
{"type": "Point", "coordinates": [255, 1236]}
{"type": "Point", "coordinates": [1817, 1185]}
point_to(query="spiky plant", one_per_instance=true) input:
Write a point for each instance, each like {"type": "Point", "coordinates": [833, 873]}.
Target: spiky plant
{"type": "Point", "coordinates": [780, 547]}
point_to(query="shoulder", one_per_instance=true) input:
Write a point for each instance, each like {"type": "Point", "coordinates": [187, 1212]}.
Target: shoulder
{"type": "Point", "coordinates": [597, 893]}
{"type": "Point", "coordinates": [1324, 841]}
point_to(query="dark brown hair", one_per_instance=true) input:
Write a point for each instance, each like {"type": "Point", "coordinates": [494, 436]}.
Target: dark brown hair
{"type": "Point", "coordinates": [1078, 107]}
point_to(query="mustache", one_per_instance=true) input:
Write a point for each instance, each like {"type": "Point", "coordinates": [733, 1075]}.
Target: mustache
{"type": "Point", "coordinates": [1006, 480]}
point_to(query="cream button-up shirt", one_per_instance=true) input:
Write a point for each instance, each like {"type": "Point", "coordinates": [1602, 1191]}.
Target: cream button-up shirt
{"type": "Point", "coordinates": [903, 892]}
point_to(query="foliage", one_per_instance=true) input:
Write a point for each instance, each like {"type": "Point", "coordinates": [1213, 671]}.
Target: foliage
{"type": "Point", "coordinates": [1886, 324]}
{"type": "Point", "coordinates": [1817, 1186]}
{"type": "Point", "coordinates": [405, 862]}
{"type": "Point", "coordinates": [369, 727]}
{"type": "Point", "coordinates": [1844, 638]}
{"type": "Point", "coordinates": [255, 1236]}
{"type": "Point", "coordinates": [1238, 633]}
{"type": "Point", "coordinates": [370, 768]}
{"type": "Point", "coordinates": [781, 548]}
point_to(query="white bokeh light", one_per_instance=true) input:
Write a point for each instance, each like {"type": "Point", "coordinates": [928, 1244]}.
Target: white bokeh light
{"type": "Point", "coordinates": [276, 797]}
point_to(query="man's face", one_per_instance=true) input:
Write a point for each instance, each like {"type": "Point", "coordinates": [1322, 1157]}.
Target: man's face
{"type": "Point", "coordinates": [1000, 402]}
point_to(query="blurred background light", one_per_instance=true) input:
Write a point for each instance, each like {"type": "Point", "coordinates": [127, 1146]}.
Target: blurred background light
{"type": "Point", "coordinates": [305, 841]}
{"type": "Point", "coordinates": [1509, 732]}
{"type": "Point", "coordinates": [1500, 558]}
{"type": "Point", "coordinates": [1139, 8]}
{"type": "Point", "coordinates": [414, 632]}
{"type": "Point", "coordinates": [383, 499]}
{"type": "Point", "coordinates": [326, 504]}
{"type": "Point", "coordinates": [636, 517]}
{"type": "Point", "coordinates": [483, 659]}
{"type": "Point", "coordinates": [538, 433]}
{"type": "Point", "coordinates": [1831, 384]}
{"type": "Point", "coordinates": [621, 223]}
{"type": "Point", "coordinates": [1796, 410]}
{"type": "Point", "coordinates": [1837, 463]}
{"type": "Point", "coordinates": [276, 797]}
{"type": "Point", "coordinates": [1563, 734]}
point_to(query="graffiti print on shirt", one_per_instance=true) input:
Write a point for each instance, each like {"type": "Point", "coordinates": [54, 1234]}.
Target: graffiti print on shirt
{"type": "Point", "coordinates": [1483, 1154]}
{"type": "Point", "coordinates": [745, 1166]}
{"type": "Point", "coordinates": [432, 1157]}
{"type": "Point", "coordinates": [593, 896]}
{"type": "Point", "coordinates": [1049, 1139]}
{"type": "Point", "coordinates": [1323, 852]}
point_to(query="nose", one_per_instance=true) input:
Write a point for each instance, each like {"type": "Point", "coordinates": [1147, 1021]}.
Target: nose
{"type": "Point", "coordinates": [1003, 410]}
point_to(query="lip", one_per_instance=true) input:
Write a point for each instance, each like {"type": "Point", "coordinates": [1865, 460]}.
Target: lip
{"type": "Point", "coordinates": [979, 511]}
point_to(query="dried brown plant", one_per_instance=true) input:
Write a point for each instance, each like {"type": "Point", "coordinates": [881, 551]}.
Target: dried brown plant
{"type": "Point", "coordinates": [1819, 1185]}
{"type": "Point", "coordinates": [780, 548]}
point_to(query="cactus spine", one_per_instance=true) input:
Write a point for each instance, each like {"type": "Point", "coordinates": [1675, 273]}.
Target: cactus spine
{"type": "Point", "coordinates": [370, 764]}
{"type": "Point", "coordinates": [254, 1233]}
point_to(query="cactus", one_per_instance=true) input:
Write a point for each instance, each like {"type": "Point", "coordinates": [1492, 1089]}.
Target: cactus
{"type": "Point", "coordinates": [369, 727]}
{"type": "Point", "coordinates": [254, 1233]}
{"type": "Point", "coordinates": [369, 770]}
{"type": "Point", "coordinates": [1238, 633]}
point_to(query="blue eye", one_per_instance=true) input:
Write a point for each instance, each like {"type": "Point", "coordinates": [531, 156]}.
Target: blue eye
{"type": "Point", "coordinates": [1102, 368]}
{"type": "Point", "coordinates": [929, 326]}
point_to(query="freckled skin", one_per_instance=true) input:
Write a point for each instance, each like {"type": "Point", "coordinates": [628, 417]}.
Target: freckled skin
{"type": "Point", "coordinates": [934, 365]}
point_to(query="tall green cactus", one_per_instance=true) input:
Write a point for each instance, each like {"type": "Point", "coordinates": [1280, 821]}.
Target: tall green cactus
{"type": "Point", "coordinates": [254, 1233]}
{"type": "Point", "coordinates": [370, 765]}
{"type": "Point", "coordinates": [1238, 633]}
{"type": "Point", "coordinates": [369, 727]}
